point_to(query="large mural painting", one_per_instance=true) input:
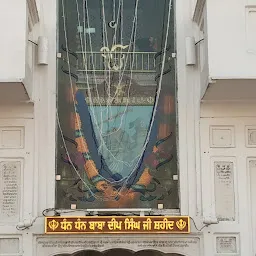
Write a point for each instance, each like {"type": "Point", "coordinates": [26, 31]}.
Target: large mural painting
{"type": "Point", "coordinates": [116, 118]}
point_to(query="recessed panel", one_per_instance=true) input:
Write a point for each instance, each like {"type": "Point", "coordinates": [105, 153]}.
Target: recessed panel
{"type": "Point", "coordinates": [226, 244]}
{"type": "Point", "coordinates": [224, 190]}
{"type": "Point", "coordinates": [9, 245]}
{"type": "Point", "coordinates": [222, 137]}
{"type": "Point", "coordinates": [10, 181]}
{"type": "Point", "coordinates": [12, 137]}
{"type": "Point", "coordinates": [250, 136]}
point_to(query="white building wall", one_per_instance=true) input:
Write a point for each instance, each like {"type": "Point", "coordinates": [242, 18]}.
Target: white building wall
{"type": "Point", "coordinates": [17, 21]}
{"type": "Point", "coordinates": [33, 127]}
{"type": "Point", "coordinates": [227, 137]}
{"type": "Point", "coordinates": [14, 45]}
{"type": "Point", "coordinates": [231, 40]}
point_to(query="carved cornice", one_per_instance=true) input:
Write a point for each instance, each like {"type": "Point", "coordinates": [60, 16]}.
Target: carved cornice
{"type": "Point", "coordinates": [198, 11]}
{"type": "Point", "coordinates": [33, 16]}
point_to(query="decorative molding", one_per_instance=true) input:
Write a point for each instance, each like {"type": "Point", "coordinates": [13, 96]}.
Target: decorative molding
{"type": "Point", "coordinates": [198, 12]}
{"type": "Point", "coordinates": [33, 16]}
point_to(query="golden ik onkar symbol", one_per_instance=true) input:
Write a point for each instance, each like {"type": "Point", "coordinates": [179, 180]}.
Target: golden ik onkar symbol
{"type": "Point", "coordinates": [109, 56]}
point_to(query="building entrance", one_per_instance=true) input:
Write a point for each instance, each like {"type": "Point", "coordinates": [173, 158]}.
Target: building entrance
{"type": "Point", "coordinates": [114, 245]}
{"type": "Point", "coordinates": [120, 252]}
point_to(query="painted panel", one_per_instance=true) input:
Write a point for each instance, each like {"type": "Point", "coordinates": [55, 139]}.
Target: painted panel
{"type": "Point", "coordinates": [117, 107]}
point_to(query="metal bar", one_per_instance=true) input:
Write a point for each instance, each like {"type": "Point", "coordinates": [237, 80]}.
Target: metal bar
{"type": "Point", "coordinates": [148, 62]}
{"type": "Point", "coordinates": [103, 70]}
{"type": "Point", "coordinates": [136, 61]}
{"type": "Point", "coordinates": [163, 212]}
{"type": "Point", "coordinates": [120, 210]}
{"type": "Point", "coordinates": [153, 53]}
{"type": "Point", "coordinates": [131, 62]}
{"type": "Point", "coordinates": [95, 62]}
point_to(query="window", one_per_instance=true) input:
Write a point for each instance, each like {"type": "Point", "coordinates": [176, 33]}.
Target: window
{"type": "Point", "coordinates": [116, 145]}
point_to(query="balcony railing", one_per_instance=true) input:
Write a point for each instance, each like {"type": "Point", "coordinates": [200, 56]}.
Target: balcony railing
{"type": "Point", "coordinates": [116, 61]}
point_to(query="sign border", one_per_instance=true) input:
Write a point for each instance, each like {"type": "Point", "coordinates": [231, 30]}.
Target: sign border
{"type": "Point", "coordinates": [116, 232]}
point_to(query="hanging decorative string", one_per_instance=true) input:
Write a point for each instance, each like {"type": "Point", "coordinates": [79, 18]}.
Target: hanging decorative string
{"type": "Point", "coordinates": [95, 121]}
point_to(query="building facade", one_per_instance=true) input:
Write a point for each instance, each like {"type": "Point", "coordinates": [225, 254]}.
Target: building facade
{"type": "Point", "coordinates": [126, 108]}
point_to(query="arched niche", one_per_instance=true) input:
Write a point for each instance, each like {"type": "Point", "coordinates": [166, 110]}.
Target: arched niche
{"type": "Point", "coordinates": [120, 252]}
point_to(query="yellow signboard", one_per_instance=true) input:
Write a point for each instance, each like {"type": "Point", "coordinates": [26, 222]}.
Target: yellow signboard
{"type": "Point", "coordinates": [116, 224]}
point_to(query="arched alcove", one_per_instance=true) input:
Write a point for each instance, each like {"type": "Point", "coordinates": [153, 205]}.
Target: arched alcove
{"type": "Point", "coordinates": [87, 253]}
{"type": "Point", "coordinates": [120, 252]}
{"type": "Point", "coordinates": [154, 253]}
